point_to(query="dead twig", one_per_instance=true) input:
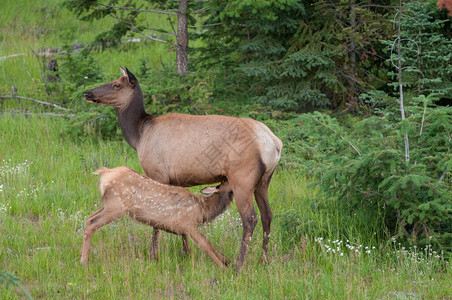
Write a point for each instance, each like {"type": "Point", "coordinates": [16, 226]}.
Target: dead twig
{"type": "Point", "coordinates": [442, 176]}
{"type": "Point", "coordinates": [36, 100]}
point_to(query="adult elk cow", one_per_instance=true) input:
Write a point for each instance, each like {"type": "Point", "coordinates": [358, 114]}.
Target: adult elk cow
{"type": "Point", "coordinates": [187, 150]}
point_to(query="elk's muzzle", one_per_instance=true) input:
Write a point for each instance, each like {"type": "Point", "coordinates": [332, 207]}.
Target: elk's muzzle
{"type": "Point", "coordinates": [89, 96]}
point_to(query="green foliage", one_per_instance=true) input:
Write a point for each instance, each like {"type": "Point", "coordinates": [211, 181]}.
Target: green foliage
{"type": "Point", "coordinates": [11, 280]}
{"type": "Point", "coordinates": [248, 39]}
{"type": "Point", "coordinates": [295, 55]}
{"type": "Point", "coordinates": [88, 10]}
{"type": "Point", "coordinates": [75, 73]}
{"type": "Point", "coordinates": [303, 77]}
{"type": "Point", "coordinates": [362, 163]}
{"type": "Point", "coordinates": [166, 91]}
{"type": "Point", "coordinates": [93, 123]}
{"type": "Point", "coordinates": [131, 17]}
{"type": "Point", "coordinates": [425, 53]}
{"type": "Point", "coordinates": [373, 176]}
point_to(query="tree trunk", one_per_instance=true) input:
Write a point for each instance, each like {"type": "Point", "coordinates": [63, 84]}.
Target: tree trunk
{"type": "Point", "coordinates": [52, 69]}
{"type": "Point", "coordinates": [182, 38]}
{"type": "Point", "coordinates": [352, 55]}
{"type": "Point", "coordinates": [399, 76]}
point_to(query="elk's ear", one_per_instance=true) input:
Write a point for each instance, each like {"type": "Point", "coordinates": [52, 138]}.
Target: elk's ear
{"type": "Point", "coordinates": [209, 190]}
{"type": "Point", "coordinates": [132, 79]}
{"type": "Point", "coordinates": [123, 72]}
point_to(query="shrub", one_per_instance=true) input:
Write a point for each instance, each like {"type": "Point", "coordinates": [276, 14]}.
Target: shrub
{"type": "Point", "coordinates": [363, 164]}
{"type": "Point", "coordinates": [11, 280]}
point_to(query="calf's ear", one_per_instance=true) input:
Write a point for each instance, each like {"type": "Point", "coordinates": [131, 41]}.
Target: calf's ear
{"type": "Point", "coordinates": [209, 190]}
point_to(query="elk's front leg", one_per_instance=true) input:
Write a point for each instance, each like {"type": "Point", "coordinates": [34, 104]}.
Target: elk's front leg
{"type": "Point", "coordinates": [185, 245]}
{"type": "Point", "coordinates": [207, 247]}
{"type": "Point", "coordinates": [153, 252]}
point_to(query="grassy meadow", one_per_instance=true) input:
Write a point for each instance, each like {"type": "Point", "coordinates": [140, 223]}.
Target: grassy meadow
{"type": "Point", "coordinates": [27, 29]}
{"type": "Point", "coordinates": [47, 190]}
{"type": "Point", "coordinates": [317, 250]}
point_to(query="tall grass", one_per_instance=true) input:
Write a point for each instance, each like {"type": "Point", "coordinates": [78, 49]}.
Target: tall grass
{"type": "Point", "coordinates": [27, 28]}
{"type": "Point", "coordinates": [47, 190]}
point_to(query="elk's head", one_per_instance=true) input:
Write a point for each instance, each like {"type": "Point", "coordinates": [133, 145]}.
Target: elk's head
{"type": "Point", "coordinates": [118, 93]}
{"type": "Point", "coordinates": [218, 200]}
{"type": "Point", "coordinates": [223, 190]}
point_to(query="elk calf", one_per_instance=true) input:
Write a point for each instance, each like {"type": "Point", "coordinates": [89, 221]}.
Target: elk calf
{"type": "Point", "coordinates": [170, 208]}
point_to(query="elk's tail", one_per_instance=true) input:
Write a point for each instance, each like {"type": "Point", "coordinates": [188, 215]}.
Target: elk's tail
{"type": "Point", "coordinates": [101, 171]}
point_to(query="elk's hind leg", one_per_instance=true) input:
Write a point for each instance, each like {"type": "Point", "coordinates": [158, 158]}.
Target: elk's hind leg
{"type": "Point", "coordinates": [261, 195]}
{"type": "Point", "coordinates": [95, 221]}
{"type": "Point", "coordinates": [245, 205]}
{"type": "Point", "coordinates": [243, 184]}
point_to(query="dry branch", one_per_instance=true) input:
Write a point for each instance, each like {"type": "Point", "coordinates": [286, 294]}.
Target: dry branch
{"type": "Point", "coordinates": [36, 100]}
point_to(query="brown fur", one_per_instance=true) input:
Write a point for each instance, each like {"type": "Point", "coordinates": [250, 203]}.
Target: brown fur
{"type": "Point", "coordinates": [170, 208]}
{"type": "Point", "coordinates": [188, 150]}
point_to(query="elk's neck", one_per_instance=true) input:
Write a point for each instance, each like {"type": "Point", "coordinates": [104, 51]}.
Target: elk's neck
{"type": "Point", "coordinates": [213, 206]}
{"type": "Point", "coordinates": [132, 118]}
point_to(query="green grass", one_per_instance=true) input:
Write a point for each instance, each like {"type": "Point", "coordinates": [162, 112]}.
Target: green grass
{"type": "Point", "coordinates": [47, 191]}
{"type": "Point", "coordinates": [47, 24]}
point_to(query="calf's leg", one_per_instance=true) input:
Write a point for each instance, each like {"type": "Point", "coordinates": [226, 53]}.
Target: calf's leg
{"type": "Point", "coordinates": [207, 247]}
{"type": "Point", "coordinates": [153, 252]}
{"type": "Point", "coordinates": [95, 221]}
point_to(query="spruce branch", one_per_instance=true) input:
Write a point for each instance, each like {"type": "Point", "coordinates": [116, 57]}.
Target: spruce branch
{"type": "Point", "coordinates": [141, 9]}
{"type": "Point", "coordinates": [134, 28]}
{"type": "Point", "coordinates": [160, 30]}
{"type": "Point", "coordinates": [172, 26]}
{"type": "Point", "coordinates": [199, 11]}
{"type": "Point", "coordinates": [332, 129]}
{"type": "Point", "coordinates": [205, 25]}
{"type": "Point", "coordinates": [11, 280]}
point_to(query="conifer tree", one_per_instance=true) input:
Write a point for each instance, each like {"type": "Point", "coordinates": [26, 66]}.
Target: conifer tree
{"type": "Point", "coordinates": [249, 38]}
{"type": "Point", "coordinates": [426, 55]}
{"type": "Point", "coordinates": [295, 55]}
{"type": "Point", "coordinates": [126, 15]}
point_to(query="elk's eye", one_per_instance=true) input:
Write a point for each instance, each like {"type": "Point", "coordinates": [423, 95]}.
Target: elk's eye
{"type": "Point", "coordinates": [116, 85]}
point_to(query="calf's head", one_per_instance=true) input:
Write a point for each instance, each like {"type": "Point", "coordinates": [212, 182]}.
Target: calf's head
{"type": "Point", "coordinates": [218, 200]}
{"type": "Point", "coordinates": [223, 190]}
